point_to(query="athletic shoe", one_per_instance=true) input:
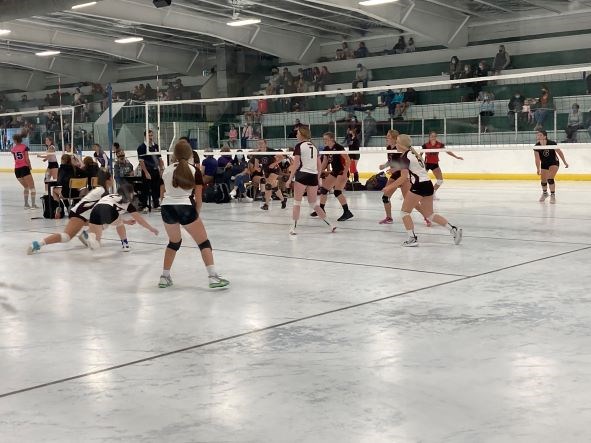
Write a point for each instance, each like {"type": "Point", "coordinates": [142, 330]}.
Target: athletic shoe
{"type": "Point", "coordinates": [284, 203]}
{"type": "Point", "coordinates": [157, 209]}
{"type": "Point", "coordinates": [145, 211]}
{"type": "Point", "coordinates": [553, 199]}
{"type": "Point", "coordinates": [314, 214]}
{"type": "Point", "coordinates": [333, 228]}
{"type": "Point", "coordinates": [165, 282]}
{"type": "Point", "coordinates": [411, 242]}
{"type": "Point", "coordinates": [457, 235]}
{"type": "Point", "coordinates": [246, 199]}
{"type": "Point", "coordinates": [27, 206]}
{"type": "Point", "coordinates": [428, 223]}
{"type": "Point", "coordinates": [265, 207]}
{"type": "Point", "coordinates": [34, 247]}
{"type": "Point", "coordinates": [292, 231]}
{"type": "Point", "coordinates": [346, 216]}
{"type": "Point", "coordinates": [34, 206]}
{"type": "Point", "coordinates": [386, 221]}
{"type": "Point", "coordinates": [83, 237]}
{"type": "Point", "coordinates": [217, 282]}
{"type": "Point", "coordinates": [233, 193]}
{"type": "Point", "coordinates": [125, 247]}
{"type": "Point", "coordinates": [543, 197]}
{"type": "Point", "coordinates": [93, 243]}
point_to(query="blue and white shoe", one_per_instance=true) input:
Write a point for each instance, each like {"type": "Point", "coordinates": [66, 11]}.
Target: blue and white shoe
{"type": "Point", "coordinates": [83, 237]}
{"type": "Point", "coordinates": [33, 247]}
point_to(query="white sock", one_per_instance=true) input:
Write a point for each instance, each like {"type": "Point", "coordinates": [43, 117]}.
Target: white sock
{"type": "Point", "coordinates": [166, 272]}
{"type": "Point", "coordinates": [410, 233]}
{"type": "Point", "coordinates": [41, 242]}
{"type": "Point", "coordinates": [211, 271]}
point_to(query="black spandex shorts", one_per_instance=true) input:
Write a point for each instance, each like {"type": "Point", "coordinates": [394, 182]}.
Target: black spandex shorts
{"type": "Point", "coordinates": [337, 174]}
{"type": "Point", "coordinates": [23, 171]}
{"type": "Point", "coordinates": [431, 166]}
{"type": "Point", "coordinates": [103, 214]}
{"type": "Point", "coordinates": [256, 174]}
{"type": "Point", "coordinates": [547, 165]}
{"type": "Point", "coordinates": [306, 179]}
{"type": "Point", "coordinates": [424, 189]}
{"type": "Point", "coordinates": [53, 165]}
{"type": "Point", "coordinates": [181, 214]}
{"type": "Point", "coordinates": [395, 175]}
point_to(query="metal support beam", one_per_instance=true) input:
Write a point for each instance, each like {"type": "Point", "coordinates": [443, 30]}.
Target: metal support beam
{"type": "Point", "coordinates": [21, 79]}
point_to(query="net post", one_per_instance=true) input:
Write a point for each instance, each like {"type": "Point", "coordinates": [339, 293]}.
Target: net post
{"type": "Point", "coordinates": [362, 133]}
{"type": "Point", "coordinates": [555, 122]}
{"type": "Point", "coordinates": [391, 123]}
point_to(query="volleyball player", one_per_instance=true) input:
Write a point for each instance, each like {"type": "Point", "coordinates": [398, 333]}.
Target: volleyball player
{"type": "Point", "coordinates": [421, 192]}
{"type": "Point", "coordinates": [22, 169]}
{"type": "Point", "coordinates": [432, 158]}
{"type": "Point", "coordinates": [547, 165]}
{"type": "Point", "coordinates": [107, 211]}
{"type": "Point", "coordinates": [79, 215]}
{"type": "Point", "coordinates": [51, 158]}
{"type": "Point", "coordinates": [305, 170]}
{"type": "Point", "coordinates": [182, 182]}
{"type": "Point", "coordinates": [271, 172]}
{"type": "Point", "coordinates": [334, 169]}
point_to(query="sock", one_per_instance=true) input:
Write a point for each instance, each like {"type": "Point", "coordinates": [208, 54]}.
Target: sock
{"type": "Point", "coordinates": [166, 273]}
{"type": "Point", "coordinates": [41, 242]}
{"type": "Point", "coordinates": [26, 195]}
{"type": "Point", "coordinates": [346, 207]}
{"type": "Point", "coordinates": [124, 242]}
{"type": "Point", "coordinates": [211, 271]}
{"type": "Point", "coordinates": [33, 194]}
{"type": "Point", "coordinates": [411, 233]}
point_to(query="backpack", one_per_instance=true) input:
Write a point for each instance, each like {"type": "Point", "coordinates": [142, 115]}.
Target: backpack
{"type": "Point", "coordinates": [50, 212]}
{"type": "Point", "coordinates": [376, 182]}
{"type": "Point", "coordinates": [355, 186]}
{"type": "Point", "coordinates": [217, 193]}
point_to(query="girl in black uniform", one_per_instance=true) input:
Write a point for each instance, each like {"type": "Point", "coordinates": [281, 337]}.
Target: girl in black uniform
{"type": "Point", "coordinates": [270, 167]}
{"type": "Point", "coordinates": [547, 165]}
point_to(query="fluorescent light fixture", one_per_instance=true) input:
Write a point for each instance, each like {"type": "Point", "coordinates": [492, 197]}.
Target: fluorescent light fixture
{"type": "Point", "coordinates": [245, 22]}
{"type": "Point", "coordinates": [129, 40]}
{"type": "Point", "coordinates": [5, 31]}
{"type": "Point", "coordinates": [47, 53]}
{"type": "Point", "coordinates": [83, 5]}
{"type": "Point", "coordinates": [376, 2]}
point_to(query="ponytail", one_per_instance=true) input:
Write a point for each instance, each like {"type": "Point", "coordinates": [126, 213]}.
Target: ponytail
{"type": "Point", "coordinates": [419, 156]}
{"type": "Point", "coordinates": [183, 177]}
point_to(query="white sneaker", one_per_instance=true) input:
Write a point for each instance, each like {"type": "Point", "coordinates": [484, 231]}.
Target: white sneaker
{"type": "Point", "coordinates": [217, 282]}
{"type": "Point", "coordinates": [553, 199]}
{"type": "Point", "coordinates": [93, 243]}
{"type": "Point", "coordinates": [145, 211]}
{"type": "Point", "coordinates": [411, 242]}
{"type": "Point", "coordinates": [233, 193]}
{"type": "Point", "coordinates": [457, 235]}
{"type": "Point", "coordinates": [247, 199]}
{"type": "Point", "coordinates": [292, 231]}
{"type": "Point", "coordinates": [332, 228]}
{"type": "Point", "coordinates": [125, 247]}
{"type": "Point", "coordinates": [165, 282]}
{"type": "Point", "coordinates": [543, 197]}
{"type": "Point", "coordinates": [27, 206]}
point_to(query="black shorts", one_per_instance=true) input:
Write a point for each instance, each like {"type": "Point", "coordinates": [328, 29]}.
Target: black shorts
{"type": "Point", "coordinates": [73, 214]}
{"type": "Point", "coordinates": [337, 174]}
{"type": "Point", "coordinates": [181, 214]}
{"type": "Point", "coordinates": [53, 165]}
{"type": "Point", "coordinates": [306, 179]}
{"type": "Point", "coordinates": [103, 214]}
{"type": "Point", "coordinates": [395, 175]}
{"type": "Point", "coordinates": [431, 166]}
{"type": "Point", "coordinates": [23, 171]}
{"type": "Point", "coordinates": [547, 165]}
{"type": "Point", "coordinates": [256, 174]}
{"type": "Point", "coordinates": [424, 189]}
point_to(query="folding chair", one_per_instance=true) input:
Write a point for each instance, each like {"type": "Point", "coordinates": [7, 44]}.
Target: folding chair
{"type": "Point", "coordinates": [76, 184]}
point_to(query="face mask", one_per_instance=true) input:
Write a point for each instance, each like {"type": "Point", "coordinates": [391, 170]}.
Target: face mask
{"type": "Point", "coordinates": [516, 95]}
{"type": "Point", "coordinates": [481, 66]}
{"type": "Point", "coordinates": [575, 109]}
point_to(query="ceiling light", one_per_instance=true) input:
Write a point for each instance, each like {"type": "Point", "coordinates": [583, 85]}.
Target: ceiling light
{"type": "Point", "coordinates": [245, 22]}
{"type": "Point", "coordinates": [129, 40]}
{"type": "Point", "coordinates": [83, 5]}
{"type": "Point", "coordinates": [47, 53]}
{"type": "Point", "coordinates": [5, 31]}
{"type": "Point", "coordinates": [376, 2]}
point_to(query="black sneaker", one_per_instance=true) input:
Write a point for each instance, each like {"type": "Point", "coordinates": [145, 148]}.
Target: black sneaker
{"type": "Point", "coordinates": [284, 203]}
{"type": "Point", "coordinates": [346, 216]}
{"type": "Point", "coordinates": [313, 214]}
{"type": "Point", "coordinates": [265, 207]}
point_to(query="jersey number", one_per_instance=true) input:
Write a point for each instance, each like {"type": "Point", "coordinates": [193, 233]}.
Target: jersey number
{"type": "Point", "coordinates": [311, 152]}
{"type": "Point", "coordinates": [18, 155]}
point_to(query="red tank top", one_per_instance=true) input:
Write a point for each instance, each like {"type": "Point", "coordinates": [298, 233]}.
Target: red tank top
{"type": "Point", "coordinates": [433, 157]}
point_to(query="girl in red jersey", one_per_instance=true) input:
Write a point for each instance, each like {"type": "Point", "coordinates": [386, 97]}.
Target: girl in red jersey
{"type": "Point", "coordinates": [22, 169]}
{"type": "Point", "coordinates": [432, 158]}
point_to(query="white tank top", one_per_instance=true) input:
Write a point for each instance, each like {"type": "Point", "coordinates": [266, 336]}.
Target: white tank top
{"type": "Point", "coordinates": [177, 196]}
{"type": "Point", "coordinates": [308, 157]}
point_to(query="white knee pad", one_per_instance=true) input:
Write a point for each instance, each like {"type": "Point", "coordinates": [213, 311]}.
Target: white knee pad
{"type": "Point", "coordinates": [404, 214]}
{"type": "Point", "coordinates": [65, 238]}
{"type": "Point", "coordinates": [430, 218]}
{"type": "Point", "coordinates": [297, 203]}
{"type": "Point", "coordinates": [439, 182]}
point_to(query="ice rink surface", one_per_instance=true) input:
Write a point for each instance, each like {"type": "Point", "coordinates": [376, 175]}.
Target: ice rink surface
{"type": "Point", "coordinates": [343, 337]}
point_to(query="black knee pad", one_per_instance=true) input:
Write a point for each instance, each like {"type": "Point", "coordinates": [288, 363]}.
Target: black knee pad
{"type": "Point", "coordinates": [205, 245]}
{"type": "Point", "coordinates": [385, 199]}
{"type": "Point", "coordinates": [544, 184]}
{"type": "Point", "coordinates": [323, 191]}
{"type": "Point", "coordinates": [275, 189]}
{"type": "Point", "coordinates": [268, 187]}
{"type": "Point", "coordinates": [550, 181]}
{"type": "Point", "coordinates": [175, 246]}
{"type": "Point", "coordinates": [337, 193]}
{"type": "Point", "coordinates": [263, 180]}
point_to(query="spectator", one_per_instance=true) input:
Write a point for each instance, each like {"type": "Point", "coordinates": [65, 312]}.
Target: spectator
{"type": "Point", "coordinates": [502, 60]}
{"type": "Point", "coordinates": [400, 46]}
{"type": "Point", "coordinates": [394, 106]}
{"type": "Point", "coordinates": [89, 168]}
{"type": "Point", "coordinates": [122, 168]}
{"type": "Point", "coordinates": [263, 106]}
{"type": "Point", "coordinates": [487, 110]}
{"type": "Point", "coordinates": [466, 72]}
{"type": "Point", "coordinates": [241, 175]}
{"type": "Point", "coordinates": [253, 111]}
{"type": "Point", "coordinates": [285, 79]}
{"type": "Point", "coordinates": [543, 105]}
{"type": "Point", "coordinates": [361, 76]}
{"type": "Point", "coordinates": [270, 89]}
{"type": "Point", "coordinates": [65, 173]}
{"type": "Point", "coordinates": [316, 78]}
{"type": "Point", "coordinates": [151, 165]}
{"type": "Point", "coordinates": [575, 122]}
{"type": "Point", "coordinates": [340, 55]}
{"type": "Point", "coordinates": [455, 68]}
{"type": "Point", "coordinates": [323, 79]}
{"type": "Point", "coordinates": [296, 126]}
{"type": "Point", "coordinates": [275, 79]}
{"type": "Point", "coordinates": [233, 137]}
{"type": "Point", "coordinates": [481, 71]}
{"type": "Point", "coordinates": [210, 167]}
{"type": "Point", "coordinates": [347, 52]}
{"type": "Point", "coordinates": [339, 103]}
{"type": "Point", "coordinates": [100, 156]}
{"type": "Point", "coordinates": [361, 51]}
{"type": "Point", "coordinates": [515, 106]}
{"type": "Point", "coordinates": [370, 128]}
{"type": "Point", "coordinates": [409, 98]}
{"type": "Point", "coordinates": [411, 46]}
{"type": "Point", "coordinates": [247, 134]}
{"type": "Point", "coordinates": [116, 148]}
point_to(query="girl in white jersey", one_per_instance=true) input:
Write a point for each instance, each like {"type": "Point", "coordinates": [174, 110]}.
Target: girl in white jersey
{"type": "Point", "coordinates": [182, 182]}
{"type": "Point", "coordinates": [421, 191]}
{"type": "Point", "coordinates": [305, 170]}
{"type": "Point", "coordinates": [79, 215]}
{"type": "Point", "coordinates": [51, 158]}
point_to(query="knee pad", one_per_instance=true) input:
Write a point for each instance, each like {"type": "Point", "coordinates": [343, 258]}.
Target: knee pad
{"type": "Point", "coordinates": [205, 245]}
{"type": "Point", "coordinates": [65, 238]}
{"type": "Point", "coordinates": [268, 187]}
{"type": "Point", "coordinates": [175, 246]}
{"type": "Point", "coordinates": [439, 182]}
{"type": "Point", "coordinates": [550, 181]}
{"type": "Point", "coordinates": [385, 199]}
{"type": "Point", "coordinates": [297, 203]}
{"type": "Point", "coordinates": [337, 193]}
{"type": "Point", "coordinates": [323, 191]}
{"type": "Point", "coordinates": [544, 184]}
{"type": "Point", "coordinates": [404, 214]}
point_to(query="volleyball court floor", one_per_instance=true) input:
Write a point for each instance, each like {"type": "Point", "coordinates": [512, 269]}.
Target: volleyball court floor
{"type": "Point", "coordinates": [343, 337]}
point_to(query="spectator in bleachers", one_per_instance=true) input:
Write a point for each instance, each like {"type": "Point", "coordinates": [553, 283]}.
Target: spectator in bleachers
{"type": "Point", "coordinates": [241, 175]}
{"type": "Point", "coordinates": [285, 78]}
{"type": "Point", "coordinates": [455, 68]}
{"type": "Point", "coordinates": [339, 103]}
{"type": "Point", "coordinates": [323, 78]}
{"type": "Point", "coordinates": [543, 106]}
{"type": "Point", "coordinates": [487, 110]}
{"type": "Point", "coordinates": [210, 167]}
{"type": "Point", "coordinates": [294, 131]}
{"type": "Point", "coordinates": [339, 55]}
{"type": "Point", "coordinates": [481, 71]}
{"type": "Point", "coordinates": [150, 93]}
{"type": "Point", "coordinates": [270, 89]}
{"type": "Point", "coordinates": [466, 72]}
{"type": "Point", "coordinates": [502, 60]}
{"type": "Point", "coordinates": [408, 98]}
{"type": "Point", "coordinates": [316, 78]}
{"type": "Point", "coordinates": [361, 51]}
{"type": "Point", "coordinates": [252, 114]}
{"type": "Point", "coordinates": [247, 134]}
{"type": "Point", "coordinates": [275, 79]}
{"type": "Point", "coordinates": [100, 156]}
{"type": "Point", "coordinates": [77, 97]}
{"type": "Point", "coordinates": [347, 52]}
{"type": "Point", "coordinates": [515, 106]}
{"type": "Point", "coordinates": [370, 128]}
{"type": "Point", "coordinates": [575, 122]}
{"type": "Point", "coordinates": [356, 102]}
{"type": "Point", "coordinates": [233, 137]}
{"type": "Point", "coordinates": [411, 46]}
{"type": "Point", "coordinates": [361, 76]}
{"type": "Point", "coordinates": [122, 168]}
{"type": "Point", "coordinates": [396, 98]}
{"type": "Point", "coordinates": [400, 46]}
